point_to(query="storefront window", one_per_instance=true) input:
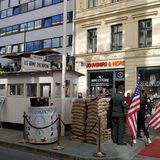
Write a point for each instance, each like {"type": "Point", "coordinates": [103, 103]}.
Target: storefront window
{"type": "Point", "coordinates": [2, 86]}
{"type": "Point", "coordinates": [150, 81]}
{"type": "Point", "coordinates": [104, 81]}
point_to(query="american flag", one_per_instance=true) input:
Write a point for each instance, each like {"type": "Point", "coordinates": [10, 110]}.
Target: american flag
{"type": "Point", "coordinates": [155, 119]}
{"type": "Point", "coordinates": [131, 118]}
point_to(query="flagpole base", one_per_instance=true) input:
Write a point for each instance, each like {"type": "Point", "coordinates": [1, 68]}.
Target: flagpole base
{"type": "Point", "coordinates": [100, 154]}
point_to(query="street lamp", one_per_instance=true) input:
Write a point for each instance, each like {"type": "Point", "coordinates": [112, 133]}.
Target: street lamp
{"type": "Point", "coordinates": [64, 64]}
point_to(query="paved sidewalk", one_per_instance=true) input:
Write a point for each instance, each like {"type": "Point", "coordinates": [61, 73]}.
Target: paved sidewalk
{"type": "Point", "coordinates": [73, 150]}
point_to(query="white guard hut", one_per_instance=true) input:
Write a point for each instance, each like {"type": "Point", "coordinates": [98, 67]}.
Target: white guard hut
{"type": "Point", "coordinates": [38, 80]}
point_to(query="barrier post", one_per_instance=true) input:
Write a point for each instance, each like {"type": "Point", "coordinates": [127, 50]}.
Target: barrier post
{"type": "Point", "coordinates": [99, 153]}
{"type": "Point", "coordinates": [24, 140]}
{"type": "Point", "coordinates": [59, 147]}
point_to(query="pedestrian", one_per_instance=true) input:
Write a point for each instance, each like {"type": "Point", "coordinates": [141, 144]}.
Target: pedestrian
{"type": "Point", "coordinates": [141, 117]}
{"type": "Point", "coordinates": [118, 116]}
{"type": "Point", "coordinates": [128, 99]}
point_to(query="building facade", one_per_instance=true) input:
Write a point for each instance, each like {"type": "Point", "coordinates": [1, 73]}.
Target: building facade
{"type": "Point", "coordinates": [115, 41]}
{"type": "Point", "coordinates": [33, 25]}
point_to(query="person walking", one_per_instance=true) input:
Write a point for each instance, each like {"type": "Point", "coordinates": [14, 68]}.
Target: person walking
{"type": "Point", "coordinates": [118, 116]}
{"type": "Point", "coordinates": [141, 117]}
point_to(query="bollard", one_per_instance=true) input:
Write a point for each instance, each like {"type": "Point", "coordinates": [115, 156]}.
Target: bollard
{"type": "Point", "coordinates": [24, 140]}
{"type": "Point", "coordinates": [99, 153]}
{"type": "Point", "coordinates": [59, 147]}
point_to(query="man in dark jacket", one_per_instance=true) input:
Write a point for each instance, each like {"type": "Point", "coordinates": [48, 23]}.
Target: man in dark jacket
{"type": "Point", "coordinates": [118, 115]}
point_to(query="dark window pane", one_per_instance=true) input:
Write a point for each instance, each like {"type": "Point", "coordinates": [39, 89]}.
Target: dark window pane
{"type": "Point", "coordinates": [47, 22]}
{"type": "Point", "coordinates": [29, 46]}
{"type": "Point", "coordinates": [58, 19]}
{"type": "Point", "coordinates": [16, 10]}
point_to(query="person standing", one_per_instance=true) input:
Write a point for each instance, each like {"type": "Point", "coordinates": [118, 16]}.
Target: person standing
{"type": "Point", "coordinates": [118, 115]}
{"type": "Point", "coordinates": [141, 117]}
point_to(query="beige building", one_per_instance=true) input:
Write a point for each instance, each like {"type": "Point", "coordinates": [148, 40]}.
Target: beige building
{"type": "Point", "coordinates": [115, 40]}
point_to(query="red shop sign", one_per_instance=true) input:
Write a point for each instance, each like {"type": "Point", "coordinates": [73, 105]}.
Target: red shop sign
{"type": "Point", "coordinates": [106, 64]}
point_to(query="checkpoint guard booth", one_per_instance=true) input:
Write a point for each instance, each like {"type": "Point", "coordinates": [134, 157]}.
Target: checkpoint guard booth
{"type": "Point", "coordinates": [20, 86]}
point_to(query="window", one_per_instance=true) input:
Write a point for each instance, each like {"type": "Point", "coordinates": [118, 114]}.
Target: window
{"type": "Point", "coordinates": [38, 24]}
{"type": "Point", "coordinates": [30, 25]}
{"type": "Point", "coordinates": [92, 40]}
{"type": "Point", "coordinates": [24, 7]}
{"type": "Point", "coordinates": [2, 50]}
{"type": "Point", "coordinates": [57, 42]}
{"type": "Point", "coordinates": [38, 3]}
{"type": "Point", "coordinates": [45, 90]}
{"type": "Point", "coordinates": [69, 40]}
{"type": "Point", "coordinates": [16, 10]}
{"type": "Point", "coordinates": [58, 19]}
{"type": "Point", "coordinates": [113, 1]}
{"type": "Point", "coordinates": [57, 1]}
{"type": "Point", "coordinates": [9, 12]}
{"type": "Point", "coordinates": [8, 30]}
{"type": "Point", "coordinates": [4, 14]}
{"type": "Point", "coordinates": [92, 3]}
{"type": "Point", "coordinates": [47, 43]}
{"type": "Point", "coordinates": [16, 89]}
{"type": "Point", "coordinates": [47, 2]}
{"type": "Point", "coordinates": [2, 86]}
{"type": "Point", "coordinates": [69, 17]}
{"type": "Point", "coordinates": [23, 27]}
{"type": "Point", "coordinates": [145, 33]}
{"type": "Point", "coordinates": [29, 46]}
{"type": "Point", "coordinates": [74, 90]}
{"type": "Point", "coordinates": [116, 41]}
{"type": "Point", "coordinates": [57, 90]}
{"type": "Point", "coordinates": [31, 6]}
{"type": "Point", "coordinates": [3, 31]}
{"type": "Point", "coordinates": [47, 22]}
{"type": "Point", "coordinates": [31, 90]}
{"type": "Point", "coordinates": [37, 45]}
{"type": "Point", "coordinates": [15, 28]}
{"type": "Point", "coordinates": [15, 48]}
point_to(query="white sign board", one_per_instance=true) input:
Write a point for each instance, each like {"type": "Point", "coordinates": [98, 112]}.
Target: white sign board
{"type": "Point", "coordinates": [38, 58]}
{"type": "Point", "coordinates": [29, 64]}
{"type": "Point", "coordinates": [42, 117]}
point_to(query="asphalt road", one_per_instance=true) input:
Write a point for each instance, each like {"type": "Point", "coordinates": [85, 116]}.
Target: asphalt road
{"type": "Point", "coordinates": [12, 154]}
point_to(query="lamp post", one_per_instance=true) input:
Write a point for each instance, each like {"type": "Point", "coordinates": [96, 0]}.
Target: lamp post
{"type": "Point", "coordinates": [64, 65]}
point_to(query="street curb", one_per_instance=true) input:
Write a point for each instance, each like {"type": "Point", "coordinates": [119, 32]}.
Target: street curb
{"type": "Point", "coordinates": [47, 152]}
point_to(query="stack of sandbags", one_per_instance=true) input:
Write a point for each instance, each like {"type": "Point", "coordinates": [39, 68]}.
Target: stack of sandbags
{"type": "Point", "coordinates": [95, 109]}
{"type": "Point", "coordinates": [78, 120]}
